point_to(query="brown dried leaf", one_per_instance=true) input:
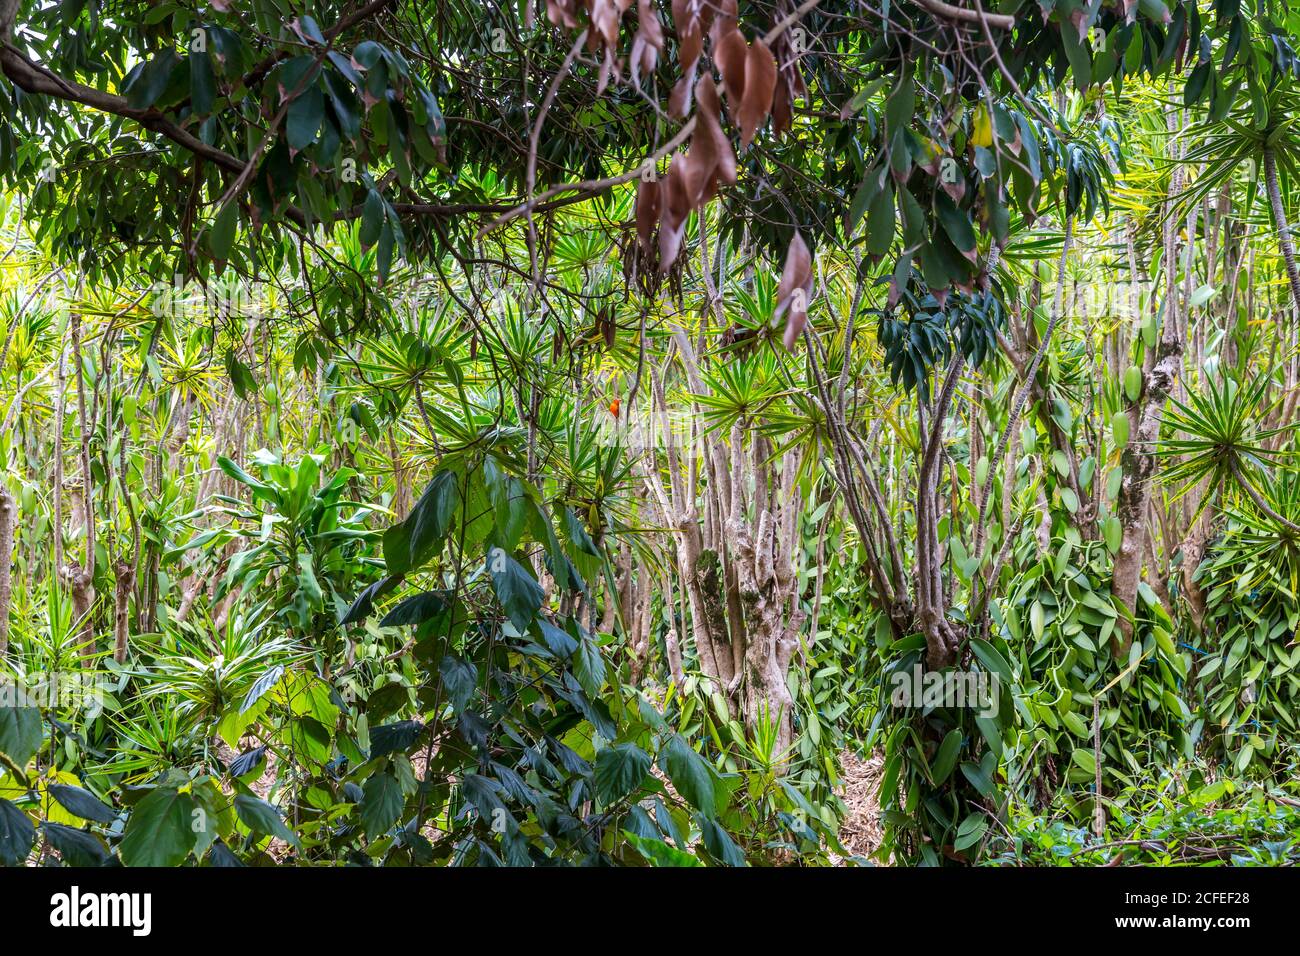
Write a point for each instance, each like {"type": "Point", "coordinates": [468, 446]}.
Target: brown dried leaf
{"type": "Point", "coordinates": [674, 208]}
{"type": "Point", "coordinates": [687, 21]}
{"type": "Point", "coordinates": [700, 164]}
{"type": "Point", "coordinates": [648, 43]}
{"type": "Point", "coordinates": [729, 53]}
{"type": "Point", "coordinates": [724, 17]}
{"type": "Point", "coordinates": [792, 293]}
{"type": "Point", "coordinates": [781, 112]}
{"type": "Point", "coordinates": [708, 111]}
{"type": "Point", "coordinates": [679, 100]}
{"type": "Point", "coordinates": [760, 84]}
{"type": "Point", "coordinates": [691, 19]}
{"type": "Point", "coordinates": [562, 13]}
{"type": "Point", "coordinates": [955, 187]}
{"type": "Point", "coordinates": [647, 212]}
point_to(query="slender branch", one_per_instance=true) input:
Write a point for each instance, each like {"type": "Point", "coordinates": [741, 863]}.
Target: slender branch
{"type": "Point", "coordinates": [948, 11]}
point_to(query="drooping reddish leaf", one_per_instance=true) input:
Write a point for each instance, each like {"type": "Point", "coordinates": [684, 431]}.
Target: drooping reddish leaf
{"type": "Point", "coordinates": [648, 43]}
{"type": "Point", "coordinates": [760, 83]}
{"type": "Point", "coordinates": [679, 100]}
{"type": "Point", "coordinates": [792, 293]}
{"type": "Point", "coordinates": [729, 53]}
{"type": "Point", "coordinates": [781, 111]}
{"type": "Point", "coordinates": [562, 13]}
{"type": "Point", "coordinates": [675, 207]}
{"type": "Point", "coordinates": [647, 212]}
{"type": "Point", "coordinates": [708, 112]}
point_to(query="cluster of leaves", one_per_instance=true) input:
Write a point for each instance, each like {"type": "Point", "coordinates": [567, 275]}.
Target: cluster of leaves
{"type": "Point", "coordinates": [922, 330]}
{"type": "Point", "coordinates": [1247, 663]}
{"type": "Point", "coordinates": [527, 748]}
{"type": "Point", "coordinates": [1180, 819]}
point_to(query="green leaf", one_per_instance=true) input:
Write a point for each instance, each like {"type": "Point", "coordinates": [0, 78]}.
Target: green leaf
{"type": "Point", "coordinates": [866, 193]}
{"type": "Point", "coordinates": [988, 656]}
{"type": "Point", "coordinates": [1060, 462]}
{"type": "Point", "coordinates": [719, 843]}
{"type": "Point", "coordinates": [240, 376]}
{"type": "Point", "coordinates": [381, 804]}
{"type": "Point", "coordinates": [1084, 759]}
{"type": "Point", "coordinates": [82, 803]}
{"type": "Point", "coordinates": [307, 583]}
{"type": "Point", "coordinates": [260, 817]}
{"type": "Point", "coordinates": [689, 773]}
{"type": "Point", "coordinates": [416, 609]}
{"type": "Point", "coordinates": [460, 678]}
{"type": "Point", "coordinates": [20, 729]}
{"type": "Point", "coordinates": [589, 666]}
{"type": "Point", "coordinates": [395, 737]}
{"type": "Point", "coordinates": [305, 115]}
{"type": "Point", "coordinates": [620, 769]}
{"type": "Point", "coordinates": [881, 223]}
{"type": "Point", "coordinates": [363, 605]}
{"type": "Point", "coordinates": [980, 774]}
{"type": "Point", "coordinates": [1113, 532]}
{"type": "Point", "coordinates": [260, 687]}
{"type": "Point", "coordinates": [76, 847]}
{"type": "Point", "coordinates": [946, 757]}
{"type": "Point", "coordinates": [558, 641]}
{"type": "Point", "coordinates": [409, 544]}
{"type": "Point", "coordinates": [203, 85]}
{"type": "Point", "coordinates": [144, 87]}
{"type": "Point", "coordinates": [955, 222]}
{"type": "Point", "coordinates": [373, 215]}
{"type": "Point", "coordinates": [659, 853]}
{"type": "Point", "coordinates": [161, 830]}
{"type": "Point", "coordinates": [901, 105]}
{"type": "Point", "coordinates": [17, 835]}
{"type": "Point", "coordinates": [517, 590]}
{"type": "Point", "coordinates": [971, 831]}
{"type": "Point", "coordinates": [221, 237]}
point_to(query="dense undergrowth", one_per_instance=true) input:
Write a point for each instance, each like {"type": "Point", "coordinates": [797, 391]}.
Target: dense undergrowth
{"type": "Point", "coordinates": [597, 533]}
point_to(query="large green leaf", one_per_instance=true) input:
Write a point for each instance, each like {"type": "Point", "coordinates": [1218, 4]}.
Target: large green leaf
{"type": "Point", "coordinates": [620, 769]}
{"type": "Point", "coordinates": [260, 817]}
{"type": "Point", "coordinates": [77, 847]}
{"type": "Point", "coordinates": [516, 589]}
{"type": "Point", "coordinates": [82, 803]}
{"type": "Point", "coordinates": [17, 835]}
{"type": "Point", "coordinates": [161, 830]}
{"type": "Point", "coordinates": [689, 773]}
{"type": "Point", "coordinates": [20, 730]}
{"type": "Point", "coordinates": [381, 805]}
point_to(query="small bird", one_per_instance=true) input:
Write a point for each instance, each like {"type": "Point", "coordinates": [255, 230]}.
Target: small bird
{"type": "Point", "coordinates": [613, 407]}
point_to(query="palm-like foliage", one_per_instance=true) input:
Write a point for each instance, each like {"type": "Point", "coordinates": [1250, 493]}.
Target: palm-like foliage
{"type": "Point", "coordinates": [207, 672]}
{"type": "Point", "coordinates": [1216, 439]}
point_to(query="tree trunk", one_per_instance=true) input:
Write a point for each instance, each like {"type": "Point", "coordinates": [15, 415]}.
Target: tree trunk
{"type": "Point", "coordinates": [6, 564]}
{"type": "Point", "coordinates": [1138, 462]}
{"type": "Point", "coordinates": [83, 579]}
{"type": "Point", "coordinates": [124, 579]}
{"type": "Point", "coordinates": [1283, 229]}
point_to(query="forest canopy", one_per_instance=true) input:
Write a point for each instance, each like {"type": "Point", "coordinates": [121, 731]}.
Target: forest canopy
{"type": "Point", "coordinates": [669, 433]}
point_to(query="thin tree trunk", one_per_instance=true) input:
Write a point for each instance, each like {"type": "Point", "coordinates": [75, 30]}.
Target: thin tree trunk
{"type": "Point", "coordinates": [1283, 229]}
{"type": "Point", "coordinates": [82, 578]}
{"type": "Point", "coordinates": [6, 564]}
{"type": "Point", "coordinates": [1138, 462]}
{"type": "Point", "coordinates": [56, 491]}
